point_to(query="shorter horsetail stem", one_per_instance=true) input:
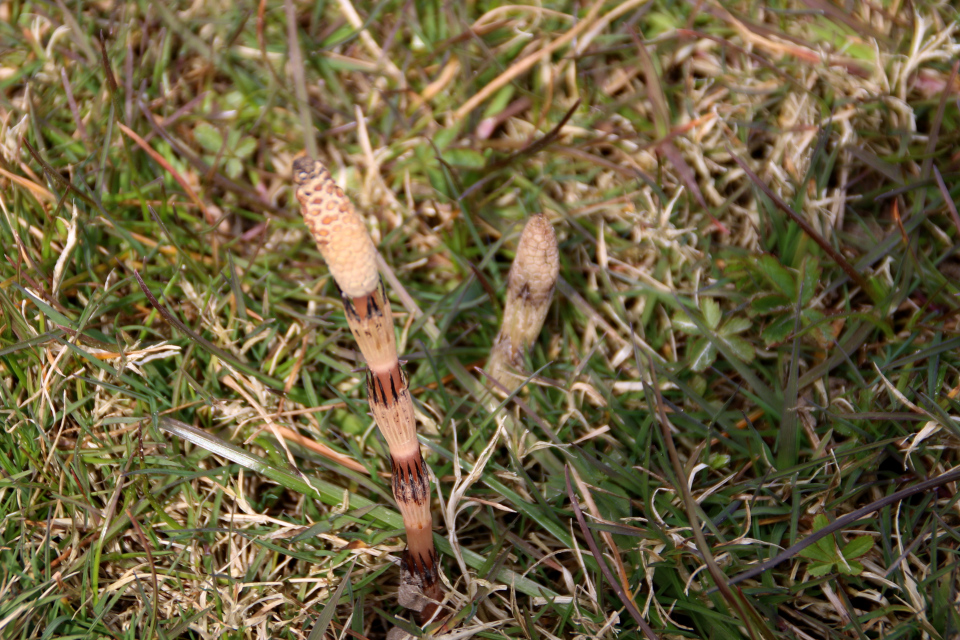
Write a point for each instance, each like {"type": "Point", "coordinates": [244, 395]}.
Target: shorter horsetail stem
{"type": "Point", "coordinates": [530, 285]}
{"type": "Point", "coordinates": [352, 259]}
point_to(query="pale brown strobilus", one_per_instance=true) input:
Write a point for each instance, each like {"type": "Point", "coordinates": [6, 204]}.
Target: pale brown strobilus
{"type": "Point", "coordinates": [351, 256]}
{"type": "Point", "coordinates": [530, 284]}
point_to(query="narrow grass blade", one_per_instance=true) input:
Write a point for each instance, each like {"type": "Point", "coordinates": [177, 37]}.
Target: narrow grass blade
{"type": "Point", "coordinates": [598, 556]}
{"type": "Point", "coordinates": [320, 628]}
{"type": "Point", "coordinates": [788, 440]}
{"type": "Point", "coordinates": [333, 495]}
{"type": "Point", "coordinates": [228, 358]}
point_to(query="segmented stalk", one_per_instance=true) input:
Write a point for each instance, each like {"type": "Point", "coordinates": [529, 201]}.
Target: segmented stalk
{"type": "Point", "coordinates": [530, 285]}
{"type": "Point", "coordinates": [352, 259]}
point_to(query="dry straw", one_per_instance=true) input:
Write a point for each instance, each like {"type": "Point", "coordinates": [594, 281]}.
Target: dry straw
{"type": "Point", "coordinates": [352, 259]}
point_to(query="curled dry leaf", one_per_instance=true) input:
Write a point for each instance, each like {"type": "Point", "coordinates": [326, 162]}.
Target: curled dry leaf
{"type": "Point", "coordinates": [396, 633]}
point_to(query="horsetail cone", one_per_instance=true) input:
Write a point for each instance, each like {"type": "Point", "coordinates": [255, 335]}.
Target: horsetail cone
{"type": "Point", "coordinates": [352, 259]}
{"type": "Point", "coordinates": [530, 285]}
{"type": "Point", "coordinates": [340, 233]}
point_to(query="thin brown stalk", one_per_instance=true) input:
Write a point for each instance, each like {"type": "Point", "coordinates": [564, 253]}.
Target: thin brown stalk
{"type": "Point", "coordinates": [248, 195]}
{"type": "Point", "coordinates": [837, 257]}
{"type": "Point", "coordinates": [112, 86]}
{"type": "Point", "coordinates": [604, 569]}
{"type": "Point", "coordinates": [740, 605]}
{"type": "Point", "coordinates": [71, 101]}
{"type": "Point", "coordinates": [845, 521]}
{"type": "Point", "coordinates": [320, 448]}
{"type": "Point", "coordinates": [535, 146]}
{"type": "Point", "coordinates": [947, 198]}
{"type": "Point", "coordinates": [153, 568]}
{"type": "Point", "coordinates": [661, 119]}
{"type": "Point", "coordinates": [299, 81]}
{"type": "Point", "coordinates": [837, 14]}
{"type": "Point", "coordinates": [52, 174]}
{"type": "Point", "coordinates": [159, 159]}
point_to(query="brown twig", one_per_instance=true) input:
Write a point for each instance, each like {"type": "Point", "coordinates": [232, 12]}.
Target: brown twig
{"type": "Point", "coordinates": [527, 63]}
{"type": "Point", "coordinates": [153, 569]}
{"type": "Point", "coordinates": [159, 159]}
{"type": "Point", "coordinates": [947, 199]}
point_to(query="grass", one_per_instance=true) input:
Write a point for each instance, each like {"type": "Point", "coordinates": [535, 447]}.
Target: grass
{"type": "Point", "coordinates": [752, 357]}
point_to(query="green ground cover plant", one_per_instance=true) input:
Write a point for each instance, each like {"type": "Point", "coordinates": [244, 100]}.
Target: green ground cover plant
{"type": "Point", "coordinates": [742, 413]}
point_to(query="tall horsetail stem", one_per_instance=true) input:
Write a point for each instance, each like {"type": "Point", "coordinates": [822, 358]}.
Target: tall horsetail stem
{"type": "Point", "coordinates": [530, 285]}
{"type": "Point", "coordinates": [351, 256]}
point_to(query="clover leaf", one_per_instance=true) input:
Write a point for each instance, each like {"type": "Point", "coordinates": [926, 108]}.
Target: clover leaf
{"type": "Point", "coordinates": [701, 351]}
{"type": "Point", "coordinates": [826, 555]}
{"type": "Point", "coordinates": [233, 153]}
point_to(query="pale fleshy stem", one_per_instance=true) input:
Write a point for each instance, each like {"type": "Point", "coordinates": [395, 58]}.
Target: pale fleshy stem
{"type": "Point", "coordinates": [351, 257]}
{"type": "Point", "coordinates": [530, 285]}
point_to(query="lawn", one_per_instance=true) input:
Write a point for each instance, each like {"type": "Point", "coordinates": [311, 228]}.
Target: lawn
{"type": "Point", "coordinates": [741, 418]}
